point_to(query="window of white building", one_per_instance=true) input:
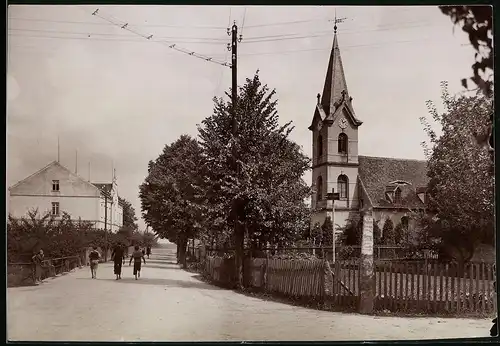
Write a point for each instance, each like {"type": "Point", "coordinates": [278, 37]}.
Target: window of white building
{"type": "Point", "coordinates": [55, 208]}
{"type": "Point", "coordinates": [55, 185]}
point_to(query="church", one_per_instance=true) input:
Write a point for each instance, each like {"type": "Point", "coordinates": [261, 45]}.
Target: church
{"type": "Point", "coordinates": [391, 188]}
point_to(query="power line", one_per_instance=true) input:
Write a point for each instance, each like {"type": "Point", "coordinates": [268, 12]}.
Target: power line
{"type": "Point", "coordinates": [90, 38]}
{"type": "Point", "coordinates": [94, 23]}
{"type": "Point", "coordinates": [346, 47]}
{"type": "Point", "coordinates": [169, 44]}
{"type": "Point", "coordinates": [90, 34]}
{"type": "Point", "coordinates": [243, 21]}
{"type": "Point", "coordinates": [295, 36]}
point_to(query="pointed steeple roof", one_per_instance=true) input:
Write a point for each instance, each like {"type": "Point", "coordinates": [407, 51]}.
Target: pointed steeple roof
{"type": "Point", "coordinates": [335, 83]}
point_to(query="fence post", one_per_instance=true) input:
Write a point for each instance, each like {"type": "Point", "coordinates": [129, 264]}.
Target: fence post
{"type": "Point", "coordinates": [366, 267]}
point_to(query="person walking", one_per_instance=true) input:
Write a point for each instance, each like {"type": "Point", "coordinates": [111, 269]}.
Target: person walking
{"type": "Point", "coordinates": [94, 257]}
{"type": "Point", "coordinates": [148, 251]}
{"type": "Point", "coordinates": [137, 255]}
{"type": "Point", "coordinates": [118, 257]}
{"type": "Point", "coordinates": [38, 262]}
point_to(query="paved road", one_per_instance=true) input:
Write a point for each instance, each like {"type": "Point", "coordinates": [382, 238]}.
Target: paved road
{"type": "Point", "coordinates": [169, 304]}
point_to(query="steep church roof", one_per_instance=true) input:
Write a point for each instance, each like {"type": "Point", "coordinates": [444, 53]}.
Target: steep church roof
{"type": "Point", "coordinates": [377, 173]}
{"type": "Point", "coordinates": [335, 94]}
{"type": "Point", "coordinates": [335, 81]}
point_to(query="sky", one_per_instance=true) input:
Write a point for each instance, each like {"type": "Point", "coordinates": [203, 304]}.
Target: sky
{"type": "Point", "coordinates": [115, 98]}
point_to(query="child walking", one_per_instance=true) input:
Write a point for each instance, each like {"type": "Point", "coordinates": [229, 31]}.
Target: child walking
{"type": "Point", "coordinates": [94, 261]}
{"type": "Point", "coordinates": [137, 255]}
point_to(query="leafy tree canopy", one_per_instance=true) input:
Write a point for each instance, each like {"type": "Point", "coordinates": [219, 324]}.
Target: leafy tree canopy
{"type": "Point", "coordinates": [460, 196]}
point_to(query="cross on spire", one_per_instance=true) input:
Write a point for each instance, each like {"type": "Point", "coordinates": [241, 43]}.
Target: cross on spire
{"type": "Point", "coordinates": [336, 21]}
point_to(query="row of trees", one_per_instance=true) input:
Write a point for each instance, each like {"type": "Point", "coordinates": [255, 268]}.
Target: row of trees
{"type": "Point", "coordinates": [231, 188]}
{"type": "Point", "coordinates": [66, 237]}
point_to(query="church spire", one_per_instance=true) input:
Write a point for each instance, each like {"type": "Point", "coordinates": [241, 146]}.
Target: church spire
{"type": "Point", "coordinates": [335, 83]}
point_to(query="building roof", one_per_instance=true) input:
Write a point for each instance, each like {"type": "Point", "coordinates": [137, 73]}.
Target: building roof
{"type": "Point", "coordinates": [335, 81]}
{"type": "Point", "coordinates": [335, 98]}
{"type": "Point", "coordinates": [53, 163]}
{"type": "Point", "coordinates": [105, 188]}
{"type": "Point", "coordinates": [376, 173]}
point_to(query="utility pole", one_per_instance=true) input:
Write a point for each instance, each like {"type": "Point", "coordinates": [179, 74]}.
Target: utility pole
{"type": "Point", "coordinates": [239, 237]}
{"type": "Point", "coordinates": [233, 47]}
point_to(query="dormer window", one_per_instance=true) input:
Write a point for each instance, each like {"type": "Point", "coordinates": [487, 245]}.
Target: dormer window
{"type": "Point", "coordinates": [342, 143]}
{"type": "Point", "coordinates": [397, 196]}
{"type": "Point", "coordinates": [421, 193]}
{"type": "Point", "coordinates": [55, 185]}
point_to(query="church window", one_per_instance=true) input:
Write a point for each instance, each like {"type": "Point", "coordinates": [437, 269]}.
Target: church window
{"type": "Point", "coordinates": [319, 188]}
{"type": "Point", "coordinates": [397, 196]}
{"type": "Point", "coordinates": [343, 186]}
{"type": "Point", "coordinates": [342, 143]}
{"type": "Point", "coordinates": [320, 146]}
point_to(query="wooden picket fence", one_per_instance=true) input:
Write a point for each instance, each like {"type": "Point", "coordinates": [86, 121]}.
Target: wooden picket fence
{"type": "Point", "coordinates": [418, 287]}
{"type": "Point", "coordinates": [408, 287]}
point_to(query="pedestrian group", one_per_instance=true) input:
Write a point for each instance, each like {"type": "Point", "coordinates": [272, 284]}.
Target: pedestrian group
{"type": "Point", "coordinates": [118, 257]}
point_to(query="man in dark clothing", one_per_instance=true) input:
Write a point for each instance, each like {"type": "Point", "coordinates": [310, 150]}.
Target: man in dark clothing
{"type": "Point", "coordinates": [148, 251]}
{"type": "Point", "coordinates": [137, 255]}
{"type": "Point", "coordinates": [118, 257]}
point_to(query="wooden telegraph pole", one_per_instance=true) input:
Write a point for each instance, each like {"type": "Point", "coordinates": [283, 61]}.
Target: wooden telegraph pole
{"type": "Point", "coordinates": [239, 236]}
{"type": "Point", "coordinates": [332, 197]}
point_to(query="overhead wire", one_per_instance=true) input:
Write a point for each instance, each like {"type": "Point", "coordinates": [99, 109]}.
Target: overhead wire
{"type": "Point", "coordinates": [171, 45]}
{"type": "Point", "coordinates": [219, 80]}
{"type": "Point", "coordinates": [203, 40]}
{"type": "Point", "coordinates": [204, 27]}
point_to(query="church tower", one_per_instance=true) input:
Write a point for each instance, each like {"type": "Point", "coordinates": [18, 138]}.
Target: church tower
{"type": "Point", "coordinates": [335, 146]}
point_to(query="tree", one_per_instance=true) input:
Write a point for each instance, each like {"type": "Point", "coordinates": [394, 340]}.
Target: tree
{"type": "Point", "coordinates": [171, 193]}
{"type": "Point", "coordinates": [254, 182]}
{"type": "Point", "coordinates": [353, 232]}
{"type": "Point", "coordinates": [129, 216]}
{"type": "Point", "coordinates": [477, 22]}
{"type": "Point", "coordinates": [460, 194]}
{"type": "Point", "coordinates": [388, 232]}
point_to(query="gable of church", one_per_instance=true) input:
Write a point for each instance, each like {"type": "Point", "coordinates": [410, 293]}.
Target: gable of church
{"type": "Point", "coordinates": [381, 177]}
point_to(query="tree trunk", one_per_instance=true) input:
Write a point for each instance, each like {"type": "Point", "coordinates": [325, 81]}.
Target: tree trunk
{"type": "Point", "coordinates": [239, 254]}
{"type": "Point", "coordinates": [183, 242]}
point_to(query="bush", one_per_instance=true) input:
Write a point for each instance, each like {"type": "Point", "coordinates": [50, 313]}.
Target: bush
{"type": "Point", "coordinates": [57, 238]}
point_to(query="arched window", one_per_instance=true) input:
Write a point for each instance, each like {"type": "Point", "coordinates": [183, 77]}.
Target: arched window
{"type": "Point", "coordinates": [343, 186]}
{"type": "Point", "coordinates": [342, 143]}
{"type": "Point", "coordinates": [397, 195]}
{"type": "Point", "coordinates": [319, 189]}
{"type": "Point", "coordinates": [320, 146]}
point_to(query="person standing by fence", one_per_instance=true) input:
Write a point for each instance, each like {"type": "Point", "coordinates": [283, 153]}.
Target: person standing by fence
{"type": "Point", "coordinates": [137, 255]}
{"type": "Point", "coordinates": [94, 262]}
{"type": "Point", "coordinates": [38, 262]}
{"type": "Point", "coordinates": [118, 257]}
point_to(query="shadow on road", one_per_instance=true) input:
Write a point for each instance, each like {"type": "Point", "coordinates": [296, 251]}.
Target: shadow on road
{"type": "Point", "coordinates": [167, 266]}
{"type": "Point", "coordinates": [166, 282]}
{"type": "Point", "coordinates": [160, 262]}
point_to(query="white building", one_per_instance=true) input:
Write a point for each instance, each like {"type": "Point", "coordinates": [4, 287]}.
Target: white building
{"type": "Point", "coordinates": [55, 189]}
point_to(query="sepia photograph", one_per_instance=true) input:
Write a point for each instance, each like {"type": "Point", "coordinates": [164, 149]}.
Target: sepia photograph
{"type": "Point", "coordinates": [250, 173]}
